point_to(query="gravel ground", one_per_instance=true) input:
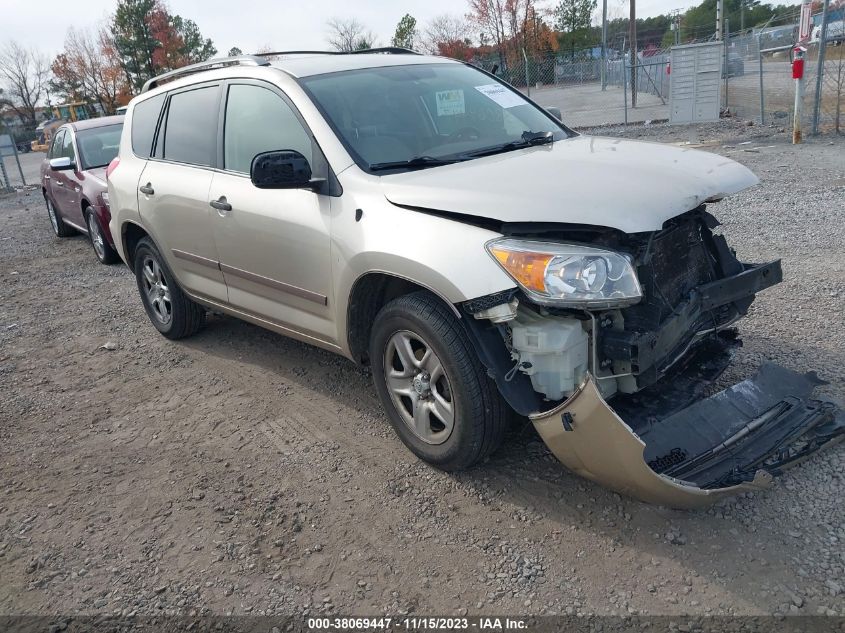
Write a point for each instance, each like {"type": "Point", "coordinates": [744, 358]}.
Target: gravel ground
{"type": "Point", "coordinates": [242, 472]}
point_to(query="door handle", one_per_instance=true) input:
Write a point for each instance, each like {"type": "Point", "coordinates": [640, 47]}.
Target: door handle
{"type": "Point", "coordinates": [221, 204]}
{"type": "Point", "coordinates": [46, 177]}
{"type": "Point", "coordinates": [59, 183]}
{"type": "Point", "coordinates": [146, 189]}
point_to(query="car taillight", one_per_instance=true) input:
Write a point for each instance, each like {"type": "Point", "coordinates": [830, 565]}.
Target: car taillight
{"type": "Point", "coordinates": [112, 166]}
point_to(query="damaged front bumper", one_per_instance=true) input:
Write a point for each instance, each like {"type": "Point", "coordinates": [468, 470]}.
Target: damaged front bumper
{"type": "Point", "coordinates": [666, 445]}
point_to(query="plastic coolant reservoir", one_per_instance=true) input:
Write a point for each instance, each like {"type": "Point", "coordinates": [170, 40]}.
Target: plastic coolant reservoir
{"type": "Point", "coordinates": [556, 348]}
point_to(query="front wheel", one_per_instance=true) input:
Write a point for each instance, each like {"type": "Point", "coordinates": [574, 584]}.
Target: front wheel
{"type": "Point", "coordinates": [169, 308]}
{"type": "Point", "coordinates": [436, 392]}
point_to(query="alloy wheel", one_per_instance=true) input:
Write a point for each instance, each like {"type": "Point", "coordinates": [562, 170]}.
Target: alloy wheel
{"type": "Point", "coordinates": [419, 387]}
{"type": "Point", "coordinates": [157, 290]}
{"type": "Point", "coordinates": [96, 236]}
{"type": "Point", "coordinates": [53, 219]}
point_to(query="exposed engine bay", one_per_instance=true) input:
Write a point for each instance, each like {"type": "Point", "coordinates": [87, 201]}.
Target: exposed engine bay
{"type": "Point", "coordinates": [635, 376]}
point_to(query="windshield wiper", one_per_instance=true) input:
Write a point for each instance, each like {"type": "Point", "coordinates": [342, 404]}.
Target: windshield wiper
{"type": "Point", "coordinates": [529, 139]}
{"type": "Point", "coordinates": [417, 162]}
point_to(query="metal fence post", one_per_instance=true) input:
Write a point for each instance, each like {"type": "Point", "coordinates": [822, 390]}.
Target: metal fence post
{"type": "Point", "coordinates": [6, 184]}
{"type": "Point", "coordinates": [625, 89]}
{"type": "Point", "coordinates": [527, 78]}
{"type": "Point", "coordinates": [760, 64]}
{"type": "Point", "coordinates": [820, 68]}
{"type": "Point", "coordinates": [725, 68]}
{"type": "Point", "coordinates": [18, 160]}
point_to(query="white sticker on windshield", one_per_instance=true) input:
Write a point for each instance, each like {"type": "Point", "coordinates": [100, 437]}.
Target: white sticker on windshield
{"type": "Point", "coordinates": [450, 102]}
{"type": "Point", "coordinates": [501, 95]}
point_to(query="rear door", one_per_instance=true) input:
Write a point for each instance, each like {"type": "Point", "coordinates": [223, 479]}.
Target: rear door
{"type": "Point", "coordinates": [274, 244]}
{"type": "Point", "coordinates": [173, 189]}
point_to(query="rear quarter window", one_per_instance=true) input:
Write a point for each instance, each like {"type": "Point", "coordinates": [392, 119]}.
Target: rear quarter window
{"type": "Point", "coordinates": [144, 120]}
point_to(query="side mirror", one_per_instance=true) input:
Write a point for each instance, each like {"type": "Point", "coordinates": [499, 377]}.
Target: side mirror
{"type": "Point", "coordinates": [281, 169]}
{"type": "Point", "coordinates": [62, 163]}
{"type": "Point", "coordinates": [555, 112]}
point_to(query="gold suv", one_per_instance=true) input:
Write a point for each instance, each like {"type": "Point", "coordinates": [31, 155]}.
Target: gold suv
{"type": "Point", "coordinates": [418, 215]}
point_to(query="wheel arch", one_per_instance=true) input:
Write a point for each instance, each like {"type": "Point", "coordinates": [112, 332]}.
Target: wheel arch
{"type": "Point", "coordinates": [130, 234]}
{"type": "Point", "coordinates": [370, 292]}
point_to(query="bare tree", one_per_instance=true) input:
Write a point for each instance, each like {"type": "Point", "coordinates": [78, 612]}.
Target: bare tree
{"type": "Point", "coordinates": [349, 35]}
{"type": "Point", "coordinates": [24, 73]}
{"type": "Point", "coordinates": [444, 31]}
{"type": "Point", "coordinates": [88, 69]}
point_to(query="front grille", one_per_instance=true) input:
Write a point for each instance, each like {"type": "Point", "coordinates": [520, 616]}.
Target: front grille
{"type": "Point", "coordinates": [672, 265]}
{"type": "Point", "coordinates": [677, 261]}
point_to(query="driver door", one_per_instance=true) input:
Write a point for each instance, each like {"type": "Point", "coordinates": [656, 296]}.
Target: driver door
{"type": "Point", "coordinates": [273, 244]}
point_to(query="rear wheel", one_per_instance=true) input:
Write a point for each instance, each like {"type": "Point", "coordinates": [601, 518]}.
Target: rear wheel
{"type": "Point", "coordinates": [169, 308]}
{"type": "Point", "coordinates": [437, 394]}
{"type": "Point", "coordinates": [59, 227]}
{"type": "Point", "coordinates": [102, 249]}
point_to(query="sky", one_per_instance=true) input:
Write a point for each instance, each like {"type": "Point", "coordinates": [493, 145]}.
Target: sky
{"type": "Point", "coordinates": [253, 24]}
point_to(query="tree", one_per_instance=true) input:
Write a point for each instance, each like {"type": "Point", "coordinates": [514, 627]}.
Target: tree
{"type": "Point", "coordinates": [24, 73]}
{"type": "Point", "coordinates": [406, 32]}
{"type": "Point", "coordinates": [447, 35]}
{"type": "Point", "coordinates": [349, 35]}
{"type": "Point", "coordinates": [133, 39]}
{"type": "Point", "coordinates": [234, 52]}
{"type": "Point", "coordinates": [150, 40]}
{"type": "Point", "coordinates": [572, 19]}
{"type": "Point", "coordinates": [509, 25]}
{"type": "Point", "coordinates": [88, 69]}
{"type": "Point", "coordinates": [489, 16]}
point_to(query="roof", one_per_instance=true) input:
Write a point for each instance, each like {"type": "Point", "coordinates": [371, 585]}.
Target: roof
{"type": "Point", "coordinates": [305, 65]}
{"type": "Point", "coordinates": [88, 124]}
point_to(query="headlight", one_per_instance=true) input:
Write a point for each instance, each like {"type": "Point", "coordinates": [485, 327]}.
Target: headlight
{"type": "Point", "coordinates": [567, 275]}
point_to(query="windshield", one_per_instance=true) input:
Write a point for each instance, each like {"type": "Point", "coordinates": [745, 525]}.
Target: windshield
{"type": "Point", "coordinates": [99, 145]}
{"type": "Point", "coordinates": [426, 114]}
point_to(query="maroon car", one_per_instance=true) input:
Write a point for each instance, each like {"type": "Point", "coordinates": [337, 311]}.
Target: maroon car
{"type": "Point", "coordinates": [73, 180]}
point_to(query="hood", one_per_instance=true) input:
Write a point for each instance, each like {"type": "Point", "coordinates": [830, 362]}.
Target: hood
{"type": "Point", "coordinates": [632, 186]}
{"type": "Point", "coordinates": [99, 174]}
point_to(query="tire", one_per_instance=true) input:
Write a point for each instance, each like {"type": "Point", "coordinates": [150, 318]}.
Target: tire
{"type": "Point", "coordinates": [59, 227]}
{"type": "Point", "coordinates": [168, 307]}
{"type": "Point", "coordinates": [418, 396]}
{"type": "Point", "coordinates": [102, 249]}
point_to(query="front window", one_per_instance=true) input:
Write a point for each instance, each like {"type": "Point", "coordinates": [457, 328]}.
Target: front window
{"type": "Point", "coordinates": [427, 114]}
{"type": "Point", "coordinates": [98, 146]}
{"type": "Point", "coordinates": [258, 120]}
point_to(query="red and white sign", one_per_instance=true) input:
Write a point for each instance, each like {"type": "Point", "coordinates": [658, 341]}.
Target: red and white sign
{"type": "Point", "coordinates": [805, 26]}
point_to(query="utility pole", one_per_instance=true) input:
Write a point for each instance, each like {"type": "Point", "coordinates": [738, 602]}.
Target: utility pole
{"type": "Point", "coordinates": [742, 16]}
{"type": "Point", "coordinates": [603, 44]}
{"type": "Point", "coordinates": [676, 25]}
{"type": "Point", "coordinates": [720, 11]}
{"type": "Point", "coordinates": [633, 38]}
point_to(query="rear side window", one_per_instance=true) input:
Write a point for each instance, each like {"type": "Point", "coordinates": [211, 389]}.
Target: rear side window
{"type": "Point", "coordinates": [144, 120]}
{"type": "Point", "coordinates": [190, 135]}
{"type": "Point", "coordinates": [258, 120]}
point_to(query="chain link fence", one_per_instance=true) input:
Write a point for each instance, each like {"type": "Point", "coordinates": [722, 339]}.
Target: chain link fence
{"type": "Point", "coordinates": [757, 82]}
{"type": "Point", "coordinates": [591, 93]}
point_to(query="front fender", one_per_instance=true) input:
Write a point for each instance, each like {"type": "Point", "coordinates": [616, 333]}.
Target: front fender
{"type": "Point", "coordinates": [443, 255]}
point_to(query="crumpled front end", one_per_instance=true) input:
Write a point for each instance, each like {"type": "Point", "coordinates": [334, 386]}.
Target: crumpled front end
{"type": "Point", "coordinates": [664, 446]}
{"type": "Point", "coordinates": [629, 397]}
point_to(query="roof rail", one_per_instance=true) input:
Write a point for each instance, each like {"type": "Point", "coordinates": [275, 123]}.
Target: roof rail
{"type": "Point", "coordinates": [388, 50]}
{"type": "Point", "coordinates": [211, 64]}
